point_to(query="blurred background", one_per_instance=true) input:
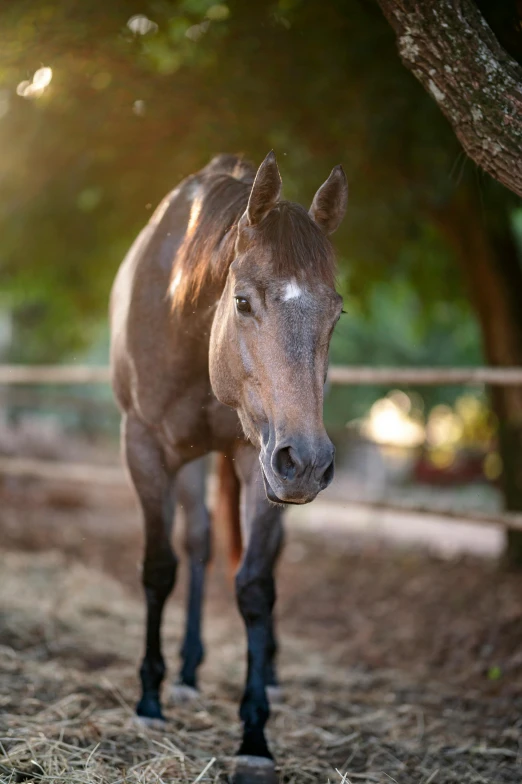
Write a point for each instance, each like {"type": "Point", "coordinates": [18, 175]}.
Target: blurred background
{"type": "Point", "coordinates": [401, 655]}
{"type": "Point", "coordinates": [104, 107]}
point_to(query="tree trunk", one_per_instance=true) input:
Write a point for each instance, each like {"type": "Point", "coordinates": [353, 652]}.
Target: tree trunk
{"type": "Point", "coordinates": [450, 48]}
{"type": "Point", "coordinates": [493, 275]}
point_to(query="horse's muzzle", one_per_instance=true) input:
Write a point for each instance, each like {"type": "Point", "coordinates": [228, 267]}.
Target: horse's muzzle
{"type": "Point", "coordinates": [296, 473]}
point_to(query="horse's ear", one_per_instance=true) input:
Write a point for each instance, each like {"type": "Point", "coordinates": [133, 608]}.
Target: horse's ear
{"type": "Point", "coordinates": [329, 204]}
{"type": "Point", "coordinates": [266, 190]}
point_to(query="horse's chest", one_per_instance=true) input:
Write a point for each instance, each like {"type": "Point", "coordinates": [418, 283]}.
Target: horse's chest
{"type": "Point", "coordinates": [197, 423]}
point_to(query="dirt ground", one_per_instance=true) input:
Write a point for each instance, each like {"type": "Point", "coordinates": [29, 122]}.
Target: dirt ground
{"type": "Point", "coordinates": [397, 666]}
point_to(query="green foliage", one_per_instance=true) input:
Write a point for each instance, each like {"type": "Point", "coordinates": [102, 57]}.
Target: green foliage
{"type": "Point", "coordinates": [495, 673]}
{"type": "Point", "coordinates": [392, 329]}
{"type": "Point", "coordinates": [133, 108]}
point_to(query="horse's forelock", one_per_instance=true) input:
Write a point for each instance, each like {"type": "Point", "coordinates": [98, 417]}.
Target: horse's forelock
{"type": "Point", "coordinates": [297, 246]}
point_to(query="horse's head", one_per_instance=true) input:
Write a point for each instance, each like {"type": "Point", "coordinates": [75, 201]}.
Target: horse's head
{"type": "Point", "coordinates": [272, 329]}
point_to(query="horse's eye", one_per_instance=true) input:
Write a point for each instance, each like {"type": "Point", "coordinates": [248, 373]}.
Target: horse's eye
{"type": "Point", "coordinates": [243, 305]}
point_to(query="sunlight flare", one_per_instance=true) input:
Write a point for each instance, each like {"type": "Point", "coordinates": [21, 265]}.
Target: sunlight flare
{"type": "Point", "coordinates": [37, 85]}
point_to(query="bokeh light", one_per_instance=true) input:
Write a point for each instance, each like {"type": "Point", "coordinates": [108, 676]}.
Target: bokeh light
{"type": "Point", "coordinates": [34, 88]}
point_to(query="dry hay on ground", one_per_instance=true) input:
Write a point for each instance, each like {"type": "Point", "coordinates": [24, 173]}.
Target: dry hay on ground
{"type": "Point", "coordinates": [70, 637]}
{"type": "Point", "coordinates": [397, 666]}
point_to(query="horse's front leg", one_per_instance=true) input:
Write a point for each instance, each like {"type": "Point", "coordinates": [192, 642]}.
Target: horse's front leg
{"type": "Point", "coordinates": [153, 485]}
{"type": "Point", "coordinates": [190, 489]}
{"type": "Point", "coordinates": [274, 692]}
{"type": "Point", "coordinates": [255, 590]}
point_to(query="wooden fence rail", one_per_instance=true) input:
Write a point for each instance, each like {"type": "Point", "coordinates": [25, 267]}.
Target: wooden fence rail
{"type": "Point", "coordinates": [432, 376]}
{"type": "Point", "coordinates": [56, 471]}
{"type": "Point", "coordinates": [342, 375]}
{"type": "Point", "coordinates": [114, 476]}
{"type": "Point", "coordinates": [351, 375]}
{"type": "Point", "coordinates": [54, 374]}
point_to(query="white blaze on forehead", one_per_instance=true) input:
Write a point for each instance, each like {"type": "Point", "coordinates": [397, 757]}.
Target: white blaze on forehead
{"type": "Point", "coordinates": [292, 290]}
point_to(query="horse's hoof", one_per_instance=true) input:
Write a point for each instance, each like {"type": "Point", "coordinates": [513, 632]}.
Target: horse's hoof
{"type": "Point", "coordinates": [275, 694]}
{"type": "Point", "coordinates": [181, 693]}
{"type": "Point", "coordinates": [254, 770]}
{"type": "Point", "coordinates": [145, 722]}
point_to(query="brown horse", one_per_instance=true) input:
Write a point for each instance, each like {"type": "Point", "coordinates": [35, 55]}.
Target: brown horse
{"type": "Point", "coordinates": [221, 319]}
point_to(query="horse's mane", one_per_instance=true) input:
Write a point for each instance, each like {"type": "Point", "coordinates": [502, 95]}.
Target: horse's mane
{"type": "Point", "coordinates": [299, 248]}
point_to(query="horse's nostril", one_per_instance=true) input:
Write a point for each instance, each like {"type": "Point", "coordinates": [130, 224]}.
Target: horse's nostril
{"type": "Point", "coordinates": [284, 463]}
{"type": "Point", "coordinates": [328, 474]}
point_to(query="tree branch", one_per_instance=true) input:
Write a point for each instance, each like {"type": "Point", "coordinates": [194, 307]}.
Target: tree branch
{"type": "Point", "coordinates": [452, 51]}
